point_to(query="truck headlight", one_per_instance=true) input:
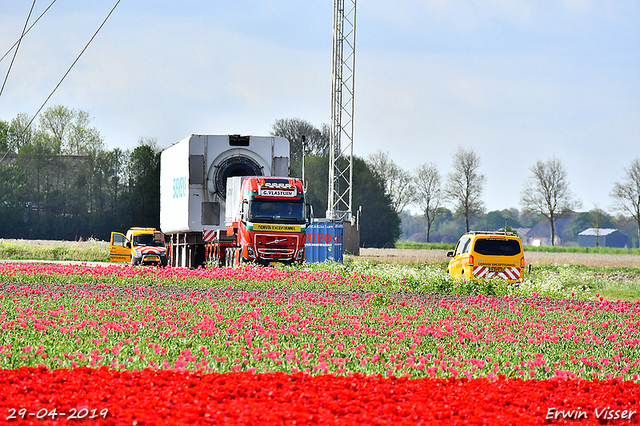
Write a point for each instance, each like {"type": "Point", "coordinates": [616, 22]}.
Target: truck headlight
{"type": "Point", "coordinates": [250, 251]}
{"type": "Point", "coordinates": [300, 254]}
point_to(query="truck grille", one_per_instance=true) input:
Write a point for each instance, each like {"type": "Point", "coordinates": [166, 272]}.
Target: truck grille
{"type": "Point", "coordinates": [276, 247]}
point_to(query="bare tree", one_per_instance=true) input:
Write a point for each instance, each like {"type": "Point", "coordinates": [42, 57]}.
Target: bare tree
{"type": "Point", "coordinates": [626, 194]}
{"type": "Point", "coordinates": [304, 137]}
{"type": "Point", "coordinates": [397, 182]}
{"type": "Point", "coordinates": [465, 184]}
{"type": "Point", "coordinates": [547, 192]}
{"type": "Point", "coordinates": [428, 192]}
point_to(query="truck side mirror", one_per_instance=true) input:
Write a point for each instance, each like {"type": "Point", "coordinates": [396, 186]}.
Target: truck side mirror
{"type": "Point", "coordinates": [450, 254]}
{"type": "Point", "coordinates": [244, 212]}
{"type": "Point", "coordinates": [308, 213]}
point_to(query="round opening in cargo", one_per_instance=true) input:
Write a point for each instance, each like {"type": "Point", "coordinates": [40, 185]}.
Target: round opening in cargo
{"type": "Point", "coordinates": [234, 166]}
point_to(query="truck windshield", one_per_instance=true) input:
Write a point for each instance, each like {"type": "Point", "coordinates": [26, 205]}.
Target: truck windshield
{"type": "Point", "coordinates": [146, 240]}
{"type": "Point", "coordinates": [277, 211]}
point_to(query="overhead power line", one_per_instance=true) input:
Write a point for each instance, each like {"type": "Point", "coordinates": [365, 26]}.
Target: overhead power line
{"type": "Point", "coordinates": [24, 29]}
{"type": "Point", "coordinates": [72, 65]}
{"type": "Point", "coordinates": [27, 32]}
{"type": "Point", "coordinates": [67, 73]}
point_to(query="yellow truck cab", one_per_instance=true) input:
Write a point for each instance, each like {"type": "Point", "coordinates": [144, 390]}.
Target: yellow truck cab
{"type": "Point", "coordinates": [140, 246]}
{"type": "Point", "coordinates": [487, 255]}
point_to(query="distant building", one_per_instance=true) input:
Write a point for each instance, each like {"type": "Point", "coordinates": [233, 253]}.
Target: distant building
{"type": "Point", "coordinates": [603, 237]}
{"type": "Point", "coordinates": [540, 235]}
{"type": "Point", "coordinates": [523, 234]}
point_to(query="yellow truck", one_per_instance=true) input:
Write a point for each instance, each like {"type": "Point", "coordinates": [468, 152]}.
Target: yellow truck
{"type": "Point", "coordinates": [140, 246]}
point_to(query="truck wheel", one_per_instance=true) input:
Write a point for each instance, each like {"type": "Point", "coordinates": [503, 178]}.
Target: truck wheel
{"type": "Point", "coordinates": [235, 261]}
{"type": "Point", "coordinates": [227, 258]}
{"type": "Point", "coordinates": [215, 259]}
{"type": "Point", "coordinates": [231, 256]}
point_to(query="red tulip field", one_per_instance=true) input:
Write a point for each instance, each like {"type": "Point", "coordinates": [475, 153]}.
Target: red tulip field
{"type": "Point", "coordinates": [146, 346]}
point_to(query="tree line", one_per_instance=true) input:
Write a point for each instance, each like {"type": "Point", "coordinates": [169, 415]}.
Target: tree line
{"type": "Point", "coordinates": [60, 182]}
{"type": "Point", "coordinates": [545, 196]}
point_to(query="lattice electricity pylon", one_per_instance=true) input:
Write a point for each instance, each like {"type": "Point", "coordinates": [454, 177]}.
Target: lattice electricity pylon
{"type": "Point", "coordinates": [340, 195]}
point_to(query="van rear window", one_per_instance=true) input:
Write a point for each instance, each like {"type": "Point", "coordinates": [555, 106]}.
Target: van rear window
{"type": "Point", "coordinates": [497, 247]}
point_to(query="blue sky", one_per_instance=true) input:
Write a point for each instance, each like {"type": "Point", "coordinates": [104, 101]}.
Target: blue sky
{"type": "Point", "coordinates": [515, 80]}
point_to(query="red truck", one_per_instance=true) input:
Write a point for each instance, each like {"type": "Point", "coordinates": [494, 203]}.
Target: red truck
{"type": "Point", "coordinates": [266, 220]}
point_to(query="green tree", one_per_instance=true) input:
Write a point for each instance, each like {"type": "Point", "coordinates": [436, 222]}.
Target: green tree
{"type": "Point", "coordinates": [4, 139]}
{"type": "Point", "coordinates": [70, 132]}
{"type": "Point", "coordinates": [578, 222]}
{"type": "Point", "coordinates": [497, 220]}
{"type": "Point", "coordinates": [380, 225]}
{"type": "Point", "coordinates": [83, 139]}
{"type": "Point", "coordinates": [60, 183]}
{"type": "Point", "coordinates": [144, 184]}
{"type": "Point", "coordinates": [443, 215]}
{"type": "Point", "coordinates": [55, 123]}
{"type": "Point", "coordinates": [411, 225]}
{"type": "Point", "coordinates": [453, 227]}
{"type": "Point", "coordinates": [18, 134]}
{"type": "Point", "coordinates": [11, 200]}
{"type": "Point", "coordinates": [113, 171]}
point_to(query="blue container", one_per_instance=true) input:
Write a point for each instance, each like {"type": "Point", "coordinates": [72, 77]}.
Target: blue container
{"type": "Point", "coordinates": [324, 241]}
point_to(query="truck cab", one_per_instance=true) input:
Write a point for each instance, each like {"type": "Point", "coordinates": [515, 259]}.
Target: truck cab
{"type": "Point", "coordinates": [268, 218]}
{"type": "Point", "coordinates": [139, 246]}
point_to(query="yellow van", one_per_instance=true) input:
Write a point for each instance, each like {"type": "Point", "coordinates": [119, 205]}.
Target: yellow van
{"type": "Point", "coordinates": [487, 255]}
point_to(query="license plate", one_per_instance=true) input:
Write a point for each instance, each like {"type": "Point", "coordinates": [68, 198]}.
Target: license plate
{"type": "Point", "coordinates": [152, 259]}
{"type": "Point", "coordinates": [497, 269]}
{"type": "Point", "coordinates": [275, 263]}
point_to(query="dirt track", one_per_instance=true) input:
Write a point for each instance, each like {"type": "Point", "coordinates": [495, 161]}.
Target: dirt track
{"type": "Point", "coordinates": [531, 258]}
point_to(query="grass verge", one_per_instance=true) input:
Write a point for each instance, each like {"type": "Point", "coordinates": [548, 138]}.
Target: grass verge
{"type": "Point", "coordinates": [82, 251]}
